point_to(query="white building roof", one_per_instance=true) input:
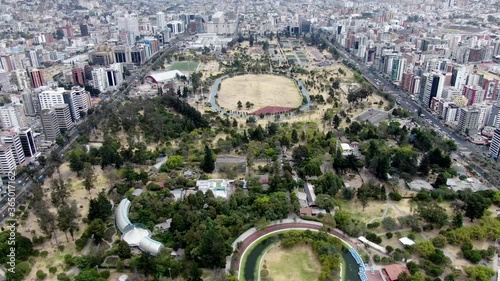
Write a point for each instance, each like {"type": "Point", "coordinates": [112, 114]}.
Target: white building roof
{"type": "Point", "coordinates": [371, 244]}
{"type": "Point", "coordinates": [418, 185]}
{"type": "Point", "coordinates": [457, 184]}
{"type": "Point", "coordinates": [137, 192]}
{"type": "Point", "coordinates": [177, 193]}
{"type": "Point", "coordinates": [345, 146]}
{"type": "Point", "coordinates": [165, 76]}
{"type": "Point", "coordinates": [309, 189]}
{"type": "Point", "coordinates": [218, 186]}
{"type": "Point", "coordinates": [135, 236]}
{"type": "Point", "coordinates": [406, 241]}
{"type": "Point", "coordinates": [151, 246]}
{"type": "Point", "coordinates": [121, 215]}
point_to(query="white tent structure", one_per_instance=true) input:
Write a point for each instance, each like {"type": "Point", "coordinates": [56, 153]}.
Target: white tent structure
{"type": "Point", "coordinates": [135, 236]}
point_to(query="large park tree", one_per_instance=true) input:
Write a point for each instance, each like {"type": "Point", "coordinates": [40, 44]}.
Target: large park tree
{"type": "Point", "coordinates": [23, 247]}
{"type": "Point", "coordinates": [213, 249]}
{"type": "Point", "coordinates": [88, 177]}
{"type": "Point", "coordinates": [475, 205]}
{"type": "Point", "coordinates": [99, 208]}
{"type": "Point", "coordinates": [208, 162]}
{"type": "Point", "coordinates": [66, 219]}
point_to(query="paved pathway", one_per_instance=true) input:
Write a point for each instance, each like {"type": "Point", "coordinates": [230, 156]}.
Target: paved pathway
{"type": "Point", "coordinates": [86, 249]}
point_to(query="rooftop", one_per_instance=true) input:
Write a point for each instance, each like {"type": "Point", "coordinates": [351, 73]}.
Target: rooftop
{"type": "Point", "coordinates": [418, 185]}
{"type": "Point", "coordinates": [165, 76]}
{"type": "Point", "coordinates": [394, 270]}
{"type": "Point", "coordinates": [406, 241]}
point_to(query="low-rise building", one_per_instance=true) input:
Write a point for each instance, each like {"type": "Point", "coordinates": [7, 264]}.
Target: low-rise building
{"type": "Point", "coordinates": [346, 149]}
{"type": "Point", "coordinates": [393, 271]}
{"type": "Point", "coordinates": [219, 187]}
{"type": "Point", "coordinates": [311, 195]}
{"type": "Point", "coordinates": [418, 185]}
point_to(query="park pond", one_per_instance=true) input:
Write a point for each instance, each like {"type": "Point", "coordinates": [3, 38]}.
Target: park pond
{"type": "Point", "coordinates": [252, 260]}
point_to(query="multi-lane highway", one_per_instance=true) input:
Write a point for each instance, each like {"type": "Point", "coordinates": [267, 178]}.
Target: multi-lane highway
{"type": "Point", "coordinates": [412, 104]}
{"type": "Point", "coordinates": [23, 184]}
{"type": "Point", "coordinates": [408, 102]}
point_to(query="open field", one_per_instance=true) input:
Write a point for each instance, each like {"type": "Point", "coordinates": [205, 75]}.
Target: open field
{"type": "Point", "coordinates": [188, 66]}
{"type": "Point", "coordinates": [261, 90]}
{"type": "Point", "coordinates": [297, 263]}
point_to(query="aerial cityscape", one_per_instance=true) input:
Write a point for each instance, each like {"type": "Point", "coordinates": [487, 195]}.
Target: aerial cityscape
{"type": "Point", "coordinates": [250, 140]}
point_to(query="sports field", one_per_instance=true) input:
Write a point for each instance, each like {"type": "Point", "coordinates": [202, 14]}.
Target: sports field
{"type": "Point", "coordinates": [261, 90]}
{"type": "Point", "coordinates": [189, 66]}
{"type": "Point", "coordinates": [297, 264]}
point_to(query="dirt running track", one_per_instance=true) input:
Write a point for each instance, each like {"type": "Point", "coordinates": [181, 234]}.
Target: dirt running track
{"type": "Point", "coordinates": [255, 236]}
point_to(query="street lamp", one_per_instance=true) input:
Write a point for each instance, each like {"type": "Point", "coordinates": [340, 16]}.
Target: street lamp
{"type": "Point", "coordinates": [170, 272]}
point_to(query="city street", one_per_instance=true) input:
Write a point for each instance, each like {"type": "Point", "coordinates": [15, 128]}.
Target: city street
{"type": "Point", "coordinates": [23, 185]}
{"type": "Point", "coordinates": [405, 101]}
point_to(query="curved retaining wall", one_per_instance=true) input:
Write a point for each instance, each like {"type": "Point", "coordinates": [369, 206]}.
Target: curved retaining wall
{"type": "Point", "coordinates": [250, 236]}
{"type": "Point", "coordinates": [218, 81]}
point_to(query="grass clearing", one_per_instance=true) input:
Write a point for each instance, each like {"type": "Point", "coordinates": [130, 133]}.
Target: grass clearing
{"type": "Point", "coordinates": [298, 262]}
{"type": "Point", "coordinates": [189, 66]}
{"type": "Point", "coordinates": [261, 90]}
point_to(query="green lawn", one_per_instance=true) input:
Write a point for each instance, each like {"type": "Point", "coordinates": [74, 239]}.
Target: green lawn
{"type": "Point", "coordinates": [298, 263]}
{"type": "Point", "coordinates": [189, 66]}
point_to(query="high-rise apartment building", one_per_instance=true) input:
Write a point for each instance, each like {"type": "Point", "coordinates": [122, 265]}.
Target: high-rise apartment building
{"type": "Point", "coordinates": [7, 162]}
{"type": "Point", "coordinates": [22, 79]}
{"type": "Point", "coordinates": [468, 120]}
{"type": "Point", "coordinates": [494, 116]}
{"type": "Point", "coordinates": [114, 75]}
{"type": "Point", "coordinates": [432, 88]}
{"type": "Point", "coordinates": [160, 20]}
{"type": "Point", "coordinates": [12, 116]}
{"type": "Point", "coordinates": [49, 98]}
{"type": "Point", "coordinates": [33, 56]}
{"type": "Point", "coordinates": [50, 124]}
{"type": "Point", "coordinates": [84, 30]}
{"type": "Point", "coordinates": [122, 54]}
{"type": "Point", "coordinates": [78, 76]}
{"type": "Point", "coordinates": [63, 115]}
{"type": "Point", "coordinates": [495, 145]}
{"type": "Point", "coordinates": [99, 79]}
{"type": "Point", "coordinates": [459, 77]}
{"type": "Point", "coordinates": [6, 63]}
{"type": "Point", "coordinates": [28, 142]}
{"type": "Point", "coordinates": [177, 27]}
{"type": "Point", "coordinates": [79, 102]}
{"type": "Point", "coordinates": [36, 78]}
{"type": "Point", "coordinates": [474, 94]}
{"type": "Point", "coordinates": [12, 138]}
{"type": "Point", "coordinates": [484, 113]}
{"type": "Point", "coordinates": [29, 105]}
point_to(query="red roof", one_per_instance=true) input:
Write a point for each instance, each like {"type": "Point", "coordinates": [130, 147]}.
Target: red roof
{"type": "Point", "coordinates": [272, 110]}
{"type": "Point", "coordinates": [394, 270]}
